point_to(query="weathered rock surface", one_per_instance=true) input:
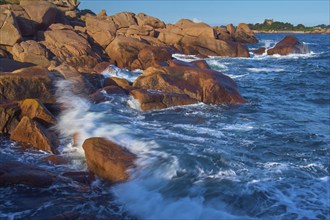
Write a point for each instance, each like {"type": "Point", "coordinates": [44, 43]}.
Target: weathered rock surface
{"type": "Point", "coordinates": [31, 133]}
{"type": "Point", "coordinates": [71, 48]}
{"type": "Point", "coordinates": [124, 19]}
{"type": "Point", "coordinates": [289, 45]}
{"type": "Point", "coordinates": [204, 85]}
{"type": "Point", "coordinates": [155, 99]}
{"type": "Point", "coordinates": [107, 159]}
{"type": "Point", "coordinates": [10, 33]}
{"type": "Point", "coordinates": [243, 34]}
{"type": "Point", "coordinates": [120, 82]}
{"type": "Point", "coordinates": [143, 19]}
{"type": "Point", "coordinates": [154, 56]}
{"type": "Point", "coordinates": [124, 51]}
{"type": "Point", "coordinates": [14, 172]}
{"type": "Point", "coordinates": [9, 117]}
{"type": "Point", "coordinates": [31, 82]}
{"type": "Point", "coordinates": [32, 52]}
{"type": "Point", "coordinates": [259, 51]}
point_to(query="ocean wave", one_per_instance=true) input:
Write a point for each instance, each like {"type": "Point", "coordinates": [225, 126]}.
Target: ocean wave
{"type": "Point", "coordinates": [186, 58]}
{"type": "Point", "coordinates": [113, 71]}
{"type": "Point", "coordinates": [262, 69]}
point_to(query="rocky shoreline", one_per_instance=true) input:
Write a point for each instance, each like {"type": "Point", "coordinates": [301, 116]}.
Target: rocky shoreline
{"type": "Point", "coordinates": [321, 31]}
{"type": "Point", "coordinates": [44, 42]}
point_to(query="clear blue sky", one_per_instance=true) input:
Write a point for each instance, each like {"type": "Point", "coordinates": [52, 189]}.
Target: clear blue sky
{"type": "Point", "coordinates": [220, 12]}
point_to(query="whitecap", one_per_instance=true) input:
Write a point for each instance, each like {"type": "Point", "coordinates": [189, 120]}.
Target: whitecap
{"type": "Point", "coordinates": [113, 71]}
{"type": "Point", "coordinates": [186, 58]}
{"type": "Point", "coordinates": [258, 70]}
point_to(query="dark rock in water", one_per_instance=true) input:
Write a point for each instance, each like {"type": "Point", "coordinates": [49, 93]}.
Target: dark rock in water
{"type": "Point", "coordinates": [81, 177]}
{"type": "Point", "coordinates": [154, 99]}
{"type": "Point", "coordinates": [57, 159]}
{"type": "Point", "coordinates": [259, 51]}
{"type": "Point", "coordinates": [14, 172]}
{"type": "Point", "coordinates": [289, 45]}
{"type": "Point", "coordinates": [243, 34]}
{"type": "Point", "coordinates": [101, 95]}
{"type": "Point", "coordinates": [107, 159]}
{"type": "Point", "coordinates": [31, 133]}
{"type": "Point", "coordinates": [31, 82]}
{"type": "Point", "coordinates": [204, 85]}
{"type": "Point", "coordinates": [122, 83]}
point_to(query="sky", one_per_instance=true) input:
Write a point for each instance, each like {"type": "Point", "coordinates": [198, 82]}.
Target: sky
{"type": "Point", "coordinates": [221, 12]}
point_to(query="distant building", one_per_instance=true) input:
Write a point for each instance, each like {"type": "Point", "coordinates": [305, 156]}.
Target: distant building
{"type": "Point", "coordinates": [268, 21]}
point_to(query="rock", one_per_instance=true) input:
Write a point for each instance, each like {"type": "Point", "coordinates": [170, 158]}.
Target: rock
{"type": "Point", "coordinates": [81, 177]}
{"type": "Point", "coordinates": [204, 85]}
{"type": "Point", "coordinates": [101, 95]}
{"type": "Point", "coordinates": [213, 47]}
{"type": "Point", "coordinates": [124, 19]}
{"type": "Point", "coordinates": [34, 109]}
{"type": "Point", "coordinates": [101, 29]}
{"type": "Point", "coordinates": [9, 117]}
{"type": "Point", "coordinates": [3, 54]}
{"type": "Point", "coordinates": [143, 19]}
{"type": "Point", "coordinates": [71, 48]}
{"type": "Point", "coordinates": [107, 159]}
{"type": "Point", "coordinates": [103, 13]}
{"type": "Point", "coordinates": [100, 67]}
{"type": "Point", "coordinates": [60, 26]}
{"type": "Point", "coordinates": [243, 34]}
{"type": "Point", "coordinates": [231, 29]}
{"type": "Point", "coordinates": [223, 34]}
{"type": "Point", "coordinates": [259, 51]}
{"type": "Point", "coordinates": [198, 30]}
{"type": "Point", "coordinates": [14, 172]}
{"type": "Point", "coordinates": [154, 99]}
{"type": "Point", "coordinates": [120, 82]}
{"type": "Point", "coordinates": [31, 82]}
{"type": "Point", "coordinates": [171, 35]}
{"type": "Point", "coordinates": [124, 51]}
{"type": "Point", "coordinates": [43, 13]}
{"type": "Point", "coordinates": [201, 64]}
{"type": "Point", "coordinates": [10, 34]}
{"type": "Point", "coordinates": [31, 133]}
{"type": "Point", "coordinates": [32, 52]}
{"type": "Point", "coordinates": [289, 45]}
{"type": "Point", "coordinates": [66, 5]}
{"type": "Point", "coordinates": [154, 56]}
{"type": "Point", "coordinates": [135, 30]}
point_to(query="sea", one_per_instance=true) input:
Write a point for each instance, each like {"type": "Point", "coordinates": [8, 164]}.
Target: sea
{"type": "Point", "coordinates": [266, 159]}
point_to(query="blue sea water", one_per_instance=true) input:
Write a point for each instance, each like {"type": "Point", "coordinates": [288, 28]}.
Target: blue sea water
{"type": "Point", "coordinates": [266, 159]}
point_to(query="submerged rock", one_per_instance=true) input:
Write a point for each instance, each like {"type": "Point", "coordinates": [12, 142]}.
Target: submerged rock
{"type": "Point", "coordinates": [14, 172]}
{"type": "Point", "coordinates": [259, 51]}
{"type": "Point", "coordinates": [107, 159]}
{"type": "Point", "coordinates": [289, 45]}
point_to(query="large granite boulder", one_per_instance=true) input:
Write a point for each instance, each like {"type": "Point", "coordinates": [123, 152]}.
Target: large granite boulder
{"type": "Point", "coordinates": [32, 133]}
{"type": "Point", "coordinates": [14, 172]}
{"type": "Point", "coordinates": [154, 56]}
{"type": "Point", "coordinates": [124, 19]}
{"type": "Point", "coordinates": [9, 30]}
{"type": "Point", "coordinates": [123, 52]}
{"type": "Point", "coordinates": [231, 29]}
{"type": "Point", "coordinates": [9, 117]}
{"type": "Point", "coordinates": [155, 99]}
{"type": "Point", "coordinates": [289, 45]}
{"type": "Point", "coordinates": [102, 29]}
{"type": "Point", "coordinates": [243, 34]}
{"type": "Point", "coordinates": [30, 82]}
{"type": "Point", "coordinates": [107, 159]}
{"type": "Point", "coordinates": [143, 19]}
{"type": "Point", "coordinates": [203, 85]}
{"type": "Point", "coordinates": [71, 48]}
{"type": "Point", "coordinates": [32, 52]}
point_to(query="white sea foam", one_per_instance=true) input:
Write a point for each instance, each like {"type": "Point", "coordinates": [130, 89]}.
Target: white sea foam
{"type": "Point", "coordinates": [218, 64]}
{"type": "Point", "coordinates": [186, 58]}
{"type": "Point", "coordinates": [113, 71]}
{"type": "Point", "coordinates": [258, 70]}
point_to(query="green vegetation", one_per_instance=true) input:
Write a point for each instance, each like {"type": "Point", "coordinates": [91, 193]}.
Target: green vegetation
{"type": "Point", "coordinates": [270, 25]}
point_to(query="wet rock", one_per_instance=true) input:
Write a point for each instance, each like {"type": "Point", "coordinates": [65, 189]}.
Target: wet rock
{"type": "Point", "coordinates": [143, 19]}
{"type": "Point", "coordinates": [81, 177]}
{"type": "Point", "coordinates": [101, 95]}
{"type": "Point", "coordinates": [57, 159]}
{"type": "Point", "coordinates": [32, 52]}
{"type": "Point", "coordinates": [9, 117]}
{"type": "Point", "coordinates": [204, 85]}
{"type": "Point", "coordinates": [259, 51]}
{"type": "Point", "coordinates": [154, 99]}
{"type": "Point", "coordinates": [10, 33]}
{"type": "Point", "coordinates": [243, 34]}
{"type": "Point", "coordinates": [31, 133]}
{"type": "Point", "coordinates": [154, 56]}
{"type": "Point", "coordinates": [289, 45]}
{"type": "Point", "coordinates": [107, 159]}
{"type": "Point", "coordinates": [202, 64]}
{"type": "Point", "coordinates": [13, 172]}
{"type": "Point", "coordinates": [120, 82]}
{"type": "Point", "coordinates": [31, 82]}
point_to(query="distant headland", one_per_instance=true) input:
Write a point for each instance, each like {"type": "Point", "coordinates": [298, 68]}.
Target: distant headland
{"type": "Point", "coordinates": [271, 26]}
